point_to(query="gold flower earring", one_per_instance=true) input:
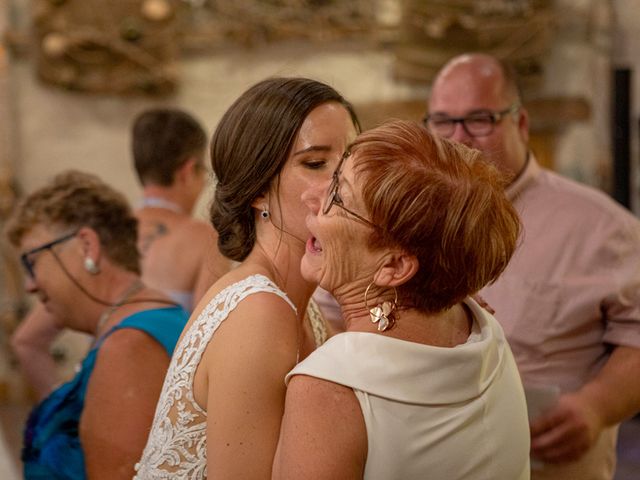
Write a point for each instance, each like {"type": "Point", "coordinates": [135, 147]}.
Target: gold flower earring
{"type": "Point", "coordinates": [384, 313]}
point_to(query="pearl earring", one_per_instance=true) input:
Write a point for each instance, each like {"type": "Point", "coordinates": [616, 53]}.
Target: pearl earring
{"type": "Point", "coordinates": [90, 266]}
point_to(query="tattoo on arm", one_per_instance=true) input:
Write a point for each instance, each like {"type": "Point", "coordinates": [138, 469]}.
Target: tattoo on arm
{"type": "Point", "coordinates": [159, 230]}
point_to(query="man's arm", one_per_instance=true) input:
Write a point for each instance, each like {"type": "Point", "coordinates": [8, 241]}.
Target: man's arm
{"type": "Point", "coordinates": [570, 428]}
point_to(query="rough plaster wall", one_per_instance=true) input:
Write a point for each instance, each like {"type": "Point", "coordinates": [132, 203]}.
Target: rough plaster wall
{"type": "Point", "coordinates": [61, 130]}
{"type": "Point", "coordinates": [579, 66]}
{"type": "Point", "coordinates": [58, 129]}
{"type": "Point", "coordinates": [594, 37]}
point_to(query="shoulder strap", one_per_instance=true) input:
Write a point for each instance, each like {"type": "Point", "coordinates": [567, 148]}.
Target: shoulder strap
{"type": "Point", "coordinates": [259, 283]}
{"type": "Point", "coordinates": [163, 324]}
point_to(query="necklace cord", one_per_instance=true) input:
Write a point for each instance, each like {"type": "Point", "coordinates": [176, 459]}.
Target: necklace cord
{"type": "Point", "coordinates": [103, 302]}
{"type": "Point", "coordinates": [158, 202]}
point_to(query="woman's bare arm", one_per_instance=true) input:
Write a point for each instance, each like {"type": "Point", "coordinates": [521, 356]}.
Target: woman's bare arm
{"type": "Point", "coordinates": [120, 403]}
{"type": "Point", "coordinates": [245, 367]}
{"type": "Point", "coordinates": [323, 434]}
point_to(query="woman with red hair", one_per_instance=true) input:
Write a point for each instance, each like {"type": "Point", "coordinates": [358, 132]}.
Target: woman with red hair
{"type": "Point", "coordinates": [422, 384]}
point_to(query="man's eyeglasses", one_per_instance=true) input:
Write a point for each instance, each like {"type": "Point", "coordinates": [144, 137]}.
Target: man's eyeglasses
{"type": "Point", "coordinates": [333, 198]}
{"type": "Point", "coordinates": [28, 263]}
{"type": "Point", "coordinates": [477, 124]}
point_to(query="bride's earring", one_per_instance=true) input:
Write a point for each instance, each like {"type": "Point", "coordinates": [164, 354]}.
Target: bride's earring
{"type": "Point", "coordinates": [264, 213]}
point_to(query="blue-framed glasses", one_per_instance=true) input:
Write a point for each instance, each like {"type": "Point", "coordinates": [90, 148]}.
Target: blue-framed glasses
{"type": "Point", "coordinates": [29, 263]}
{"type": "Point", "coordinates": [476, 124]}
{"type": "Point", "coordinates": [333, 198]}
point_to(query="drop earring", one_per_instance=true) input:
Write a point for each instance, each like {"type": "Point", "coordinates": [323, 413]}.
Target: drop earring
{"type": "Point", "coordinates": [90, 266]}
{"type": "Point", "coordinates": [384, 313]}
{"type": "Point", "coordinates": [264, 213]}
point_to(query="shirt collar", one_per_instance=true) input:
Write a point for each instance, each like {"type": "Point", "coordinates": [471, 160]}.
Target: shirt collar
{"type": "Point", "coordinates": [527, 175]}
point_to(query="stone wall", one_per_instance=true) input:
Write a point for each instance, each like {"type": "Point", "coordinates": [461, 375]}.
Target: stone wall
{"type": "Point", "coordinates": [60, 129]}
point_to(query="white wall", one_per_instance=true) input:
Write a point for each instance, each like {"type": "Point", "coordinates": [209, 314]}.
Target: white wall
{"type": "Point", "coordinates": [59, 129]}
{"type": "Point", "coordinates": [56, 129]}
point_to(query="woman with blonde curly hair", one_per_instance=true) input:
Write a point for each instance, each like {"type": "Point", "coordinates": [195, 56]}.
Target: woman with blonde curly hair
{"type": "Point", "coordinates": [77, 238]}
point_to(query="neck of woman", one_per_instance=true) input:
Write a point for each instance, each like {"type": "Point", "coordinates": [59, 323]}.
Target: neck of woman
{"type": "Point", "coordinates": [448, 328]}
{"type": "Point", "coordinates": [279, 260]}
{"type": "Point", "coordinates": [114, 290]}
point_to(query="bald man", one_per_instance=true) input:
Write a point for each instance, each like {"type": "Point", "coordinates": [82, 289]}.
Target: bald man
{"type": "Point", "coordinates": [569, 301]}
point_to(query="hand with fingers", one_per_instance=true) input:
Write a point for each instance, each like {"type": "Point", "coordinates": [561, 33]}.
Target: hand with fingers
{"type": "Point", "coordinates": [565, 432]}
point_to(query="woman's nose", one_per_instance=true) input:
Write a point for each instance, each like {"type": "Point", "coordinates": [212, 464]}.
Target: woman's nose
{"type": "Point", "coordinates": [30, 284]}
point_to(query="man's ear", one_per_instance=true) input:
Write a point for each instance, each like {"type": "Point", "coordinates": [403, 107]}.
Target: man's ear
{"type": "Point", "coordinates": [523, 124]}
{"type": "Point", "coordinates": [186, 171]}
{"type": "Point", "coordinates": [398, 267]}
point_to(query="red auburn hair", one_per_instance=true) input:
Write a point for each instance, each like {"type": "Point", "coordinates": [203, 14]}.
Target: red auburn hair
{"type": "Point", "coordinates": [439, 201]}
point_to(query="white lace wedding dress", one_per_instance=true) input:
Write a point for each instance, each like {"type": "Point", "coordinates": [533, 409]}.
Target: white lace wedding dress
{"type": "Point", "coordinates": [177, 444]}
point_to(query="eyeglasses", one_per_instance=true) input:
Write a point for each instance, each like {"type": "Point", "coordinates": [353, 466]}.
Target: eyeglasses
{"type": "Point", "coordinates": [477, 124]}
{"type": "Point", "coordinates": [333, 198]}
{"type": "Point", "coordinates": [29, 263]}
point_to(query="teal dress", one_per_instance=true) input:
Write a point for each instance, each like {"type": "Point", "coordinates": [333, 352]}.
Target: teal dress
{"type": "Point", "coordinates": [52, 448]}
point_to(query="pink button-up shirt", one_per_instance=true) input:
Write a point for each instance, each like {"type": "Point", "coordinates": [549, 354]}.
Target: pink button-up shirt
{"type": "Point", "coordinates": [572, 289]}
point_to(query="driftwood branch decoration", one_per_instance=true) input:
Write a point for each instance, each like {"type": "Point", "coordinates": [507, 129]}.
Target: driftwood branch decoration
{"type": "Point", "coordinates": [252, 22]}
{"type": "Point", "coordinates": [120, 46]}
{"type": "Point", "coordinates": [432, 31]}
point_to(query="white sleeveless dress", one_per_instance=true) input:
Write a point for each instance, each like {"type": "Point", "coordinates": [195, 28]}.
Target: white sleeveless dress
{"type": "Point", "coordinates": [431, 412]}
{"type": "Point", "coordinates": [177, 444]}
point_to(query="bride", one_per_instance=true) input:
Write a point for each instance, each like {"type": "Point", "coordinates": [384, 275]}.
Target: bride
{"type": "Point", "coordinates": [223, 398]}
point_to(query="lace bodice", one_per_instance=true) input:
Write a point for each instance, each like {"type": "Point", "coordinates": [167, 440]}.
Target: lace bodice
{"type": "Point", "coordinates": [177, 444]}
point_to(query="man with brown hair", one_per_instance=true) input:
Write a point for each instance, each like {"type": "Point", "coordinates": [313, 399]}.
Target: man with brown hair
{"type": "Point", "coordinates": [569, 300]}
{"type": "Point", "coordinates": [179, 253]}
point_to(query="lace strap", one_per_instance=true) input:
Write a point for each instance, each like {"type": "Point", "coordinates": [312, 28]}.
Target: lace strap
{"type": "Point", "coordinates": [259, 283]}
{"type": "Point", "coordinates": [318, 323]}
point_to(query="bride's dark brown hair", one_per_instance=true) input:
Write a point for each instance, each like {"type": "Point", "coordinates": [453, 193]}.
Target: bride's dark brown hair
{"type": "Point", "coordinates": [251, 145]}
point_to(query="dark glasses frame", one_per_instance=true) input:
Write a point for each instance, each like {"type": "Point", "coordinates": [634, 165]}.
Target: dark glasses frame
{"type": "Point", "coordinates": [333, 197]}
{"type": "Point", "coordinates": [29, 264]}
{"type": "Point", "coordinates": [493, 117]}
